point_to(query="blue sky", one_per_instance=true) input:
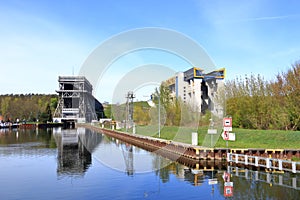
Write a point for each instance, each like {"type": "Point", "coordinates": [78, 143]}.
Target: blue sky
{"type": "Point", "coordinates": [41, 40]}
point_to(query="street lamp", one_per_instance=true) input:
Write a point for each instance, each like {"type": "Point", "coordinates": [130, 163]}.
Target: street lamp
{"type": "Point", "coordinates": [159, 115]}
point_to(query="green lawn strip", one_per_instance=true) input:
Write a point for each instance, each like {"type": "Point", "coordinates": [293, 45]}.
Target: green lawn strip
{"type": "Point", "coordinates": [245, 138]}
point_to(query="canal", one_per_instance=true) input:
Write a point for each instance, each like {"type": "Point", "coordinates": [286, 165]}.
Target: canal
{"type": "Point", "coordinates": [81, 164]}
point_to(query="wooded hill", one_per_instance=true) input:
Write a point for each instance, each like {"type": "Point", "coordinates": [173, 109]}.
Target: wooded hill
{"type": "Point", "coordinates": [29, 107]}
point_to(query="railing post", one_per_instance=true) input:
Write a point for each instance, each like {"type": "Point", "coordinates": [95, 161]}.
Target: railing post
{"type": "Point", "coordinates": [246, 173]}
{"type": "Point", "coordinates": [246, 159]}
{"type": "Point", "coordinates": [280, 180]}
{"type": "Point", "coordinates": [256, 161]}
{"type": "Point", "coordinates": [256, 176]}
{"type": "Point", "coordinates": [294, 182]}
{"type": "Point", "coordinates": [294, 167]}
{"type": "Point", "coordinates": [280, 165]}
{"type": "Point", "coordinates": [236, 158]}
{"type": "Point", "coordinates": [229, 157]}
{"type": "Point", "coordinates": [268, 177]}
{"type": "Point", "coordinates": [268, 163]}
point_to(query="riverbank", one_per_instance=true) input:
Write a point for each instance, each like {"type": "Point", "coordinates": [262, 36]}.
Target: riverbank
{"type": "Point", "coordinates": [192, 151]}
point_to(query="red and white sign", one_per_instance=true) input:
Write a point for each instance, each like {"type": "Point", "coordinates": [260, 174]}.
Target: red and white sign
{"type": "Point", "coordinates": [228, 136]}
{"type": "Point", "coordinates": [227, 124]}
{"type": "Point", "coordinates": [228, 191]}
{"type": "Point", "coordinates": [226, 177]}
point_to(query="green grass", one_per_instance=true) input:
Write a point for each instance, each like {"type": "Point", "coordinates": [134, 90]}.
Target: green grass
{"type": "Point", "coordinates": [245, 138]}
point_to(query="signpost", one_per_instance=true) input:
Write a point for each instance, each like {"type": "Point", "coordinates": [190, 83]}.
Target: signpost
{"type": "Point", "coordinates": [228, 186]}
{"type": "Point", "coordinates": [227, 127]}
{"type": "Point", "coordinates": [228, 190]}
{"type": "Point", "coordinates": [227, 124]}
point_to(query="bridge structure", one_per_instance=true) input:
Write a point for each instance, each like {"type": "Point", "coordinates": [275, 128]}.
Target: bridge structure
{"type": "Point", "coordinates": [76, 102]}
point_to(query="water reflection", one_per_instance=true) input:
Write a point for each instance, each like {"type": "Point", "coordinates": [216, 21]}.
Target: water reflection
{"type": "Point", "coordinates": [73, 157]}
{"type": "Point", "coordinates": [70, 153]}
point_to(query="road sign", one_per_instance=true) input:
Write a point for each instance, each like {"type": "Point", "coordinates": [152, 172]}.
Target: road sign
{"type": "Point", "coordinates": [213, 181]}
{"type": "Point", "coordinates": [231, 137]}
{"type": "Point", "coordinates": [212, 131]}
{"type": "Point", "coordinates": [226, 177]}
{"type": "Point", "coordinates": [225, 135]}
{"type": "Point", "coordinates": [227, 124]}
{"type": "Point", "coordinates": [228, 191]}
{"type": "Point", "coordinates": [228, 184]}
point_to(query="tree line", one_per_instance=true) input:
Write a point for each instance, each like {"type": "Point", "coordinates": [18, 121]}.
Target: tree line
{"type": "Point", "coordinates": [251, 101]}
{"type": "Point", "coordinates": [27, 107]}
{"type": "Point", "coordinates": [259, 104]}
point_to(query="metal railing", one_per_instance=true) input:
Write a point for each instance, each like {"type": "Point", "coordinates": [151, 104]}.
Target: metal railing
{"type": "Point", "coordinates": [284, 180]}
{"type": "Point", "coordinates": [268, 163]}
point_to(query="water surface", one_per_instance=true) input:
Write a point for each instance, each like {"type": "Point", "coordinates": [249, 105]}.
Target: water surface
{"type": "Point", "coordinates": [81, 164]}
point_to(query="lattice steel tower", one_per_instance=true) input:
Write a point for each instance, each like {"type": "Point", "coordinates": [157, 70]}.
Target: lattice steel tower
{"type": "Point", "coordinates": [129, 109]}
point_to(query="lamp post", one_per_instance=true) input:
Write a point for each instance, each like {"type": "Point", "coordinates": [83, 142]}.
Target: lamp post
{"type": "Point", "coordinates": [159, 115]}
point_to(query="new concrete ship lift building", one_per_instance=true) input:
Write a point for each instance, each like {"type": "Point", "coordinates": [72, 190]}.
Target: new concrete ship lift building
{"type": "Point", "coordinates": [198, 89]}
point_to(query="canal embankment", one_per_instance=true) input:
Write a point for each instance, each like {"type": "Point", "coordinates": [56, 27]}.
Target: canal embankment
{"type": "Point", "coordinates": [193, 151]}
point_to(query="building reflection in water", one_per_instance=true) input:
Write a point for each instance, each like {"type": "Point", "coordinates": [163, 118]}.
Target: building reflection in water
{"type": "Point", "coordinates": [76, 145]}
{"type": "Point", "coordinates": [73, 157]}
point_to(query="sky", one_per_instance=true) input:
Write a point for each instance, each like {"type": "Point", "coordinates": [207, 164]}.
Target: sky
{"type": "Point", "coordinates": [41, 40]}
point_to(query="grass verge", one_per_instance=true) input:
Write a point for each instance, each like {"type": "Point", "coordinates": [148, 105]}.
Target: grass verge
{"type": "Point", "coordinates": [245, 138]}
